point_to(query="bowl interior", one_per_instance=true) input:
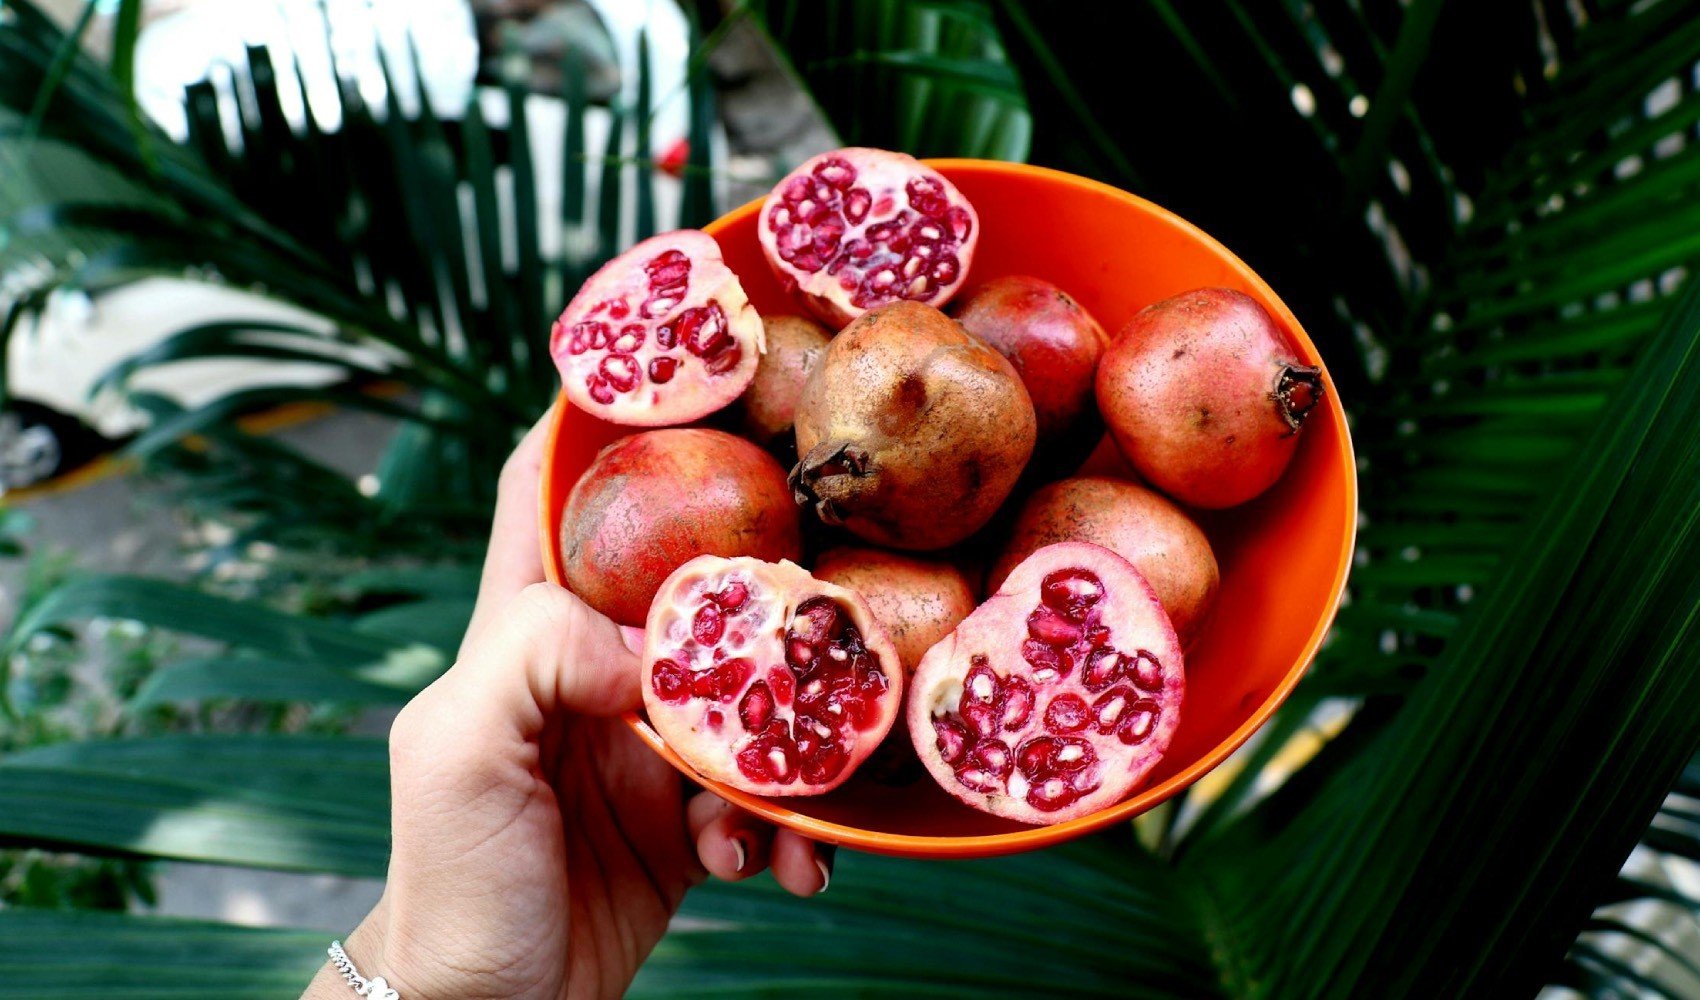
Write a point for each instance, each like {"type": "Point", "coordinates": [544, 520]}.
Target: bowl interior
{"type": "Point", "coordinates": [1283, 557]}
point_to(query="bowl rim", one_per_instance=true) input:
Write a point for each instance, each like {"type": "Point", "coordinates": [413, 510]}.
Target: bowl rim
{"type": "Point", "coordinates": [775, 811]}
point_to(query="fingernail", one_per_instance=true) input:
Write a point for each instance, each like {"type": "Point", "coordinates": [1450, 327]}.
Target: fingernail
{"type": "Point", "coordinates": [823, 860]}
{"type": "Point", "coordinates": [743, 854]}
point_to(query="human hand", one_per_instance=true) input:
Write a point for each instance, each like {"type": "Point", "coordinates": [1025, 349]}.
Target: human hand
{"type": "Point", "coordinates": [539, 848]}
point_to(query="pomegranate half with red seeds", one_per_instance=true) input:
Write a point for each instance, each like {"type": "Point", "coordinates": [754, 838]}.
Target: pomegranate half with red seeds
{"type": "Point", "coordinates": [1206, 397]}
{"type": "Point", "coordinates": [1057, 696]}
{"type": "Point", "coordinates": [1167, 547]}
{"type": "Point", "coordinates": [650, 501]}
{"type": "Point", "coordinates": [662, 334]}
{"type": "Point", "coordinates": [765, 678]}
{"type": "Point", "coordinates": [858, 228]}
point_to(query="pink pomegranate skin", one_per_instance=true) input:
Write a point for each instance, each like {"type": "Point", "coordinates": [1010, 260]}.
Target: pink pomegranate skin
{"type": "Point", "coordinates": [765, 678]}
{"type": "Point", "coordinates": [1057, 696]}
{"type": "Point", "coordinates": [1206, 397]}
{"type": "Point", "coordinates": [1054, 345]}
{"type": "Point", "coordinates": [768, 408]}
{"type": "Point", "coordinates": [1141, 526]}
{"type": "Point", "coordinates": [857, 228]}
{"type": "Point", "coordinates": [918, 601]}
{"type": "Point", "coordinates": [656, 499]}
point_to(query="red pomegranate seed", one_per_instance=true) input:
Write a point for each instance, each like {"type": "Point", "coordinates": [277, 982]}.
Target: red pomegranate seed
{"type": "Point", "coordinates": [703, 686]}
{"type": "Point", "coordinates": [1146, 671]}
{"type": "Point", "coordinates": [599, 389]}
{"type": "Point", "coordinates": [1018, 702]}
{"type": "Point", "coordinates": [725, 361]}
{"type": "Point", "coordinates": [1072, 592]}
{"type": "Point", "coordinates": [622, 372]}
{"type": "Point", "coordinates": [671, 682]}
{"type": "Point", "coordinates": [1138, 723]}
{"type": "Point", "coordinates": [1053, 794]}
{"type": "Point", "coordinates": [1048, 665]}
{"type": "Point", "coordinates": [991, 756]}
{"type": "Point", "coordinates": [661, 370]}
{"type": "Point", "coordinates": [953, 739]}
{"type": "Point", "coordinates": [733, 597]}
{"type": "Point", "coordinates": [708, 625]}
{"type": "Point", "coordinates": [1067, 713]}
{"type": "Point", "coordinates": [1103, 666]}
{"type": "Point", "coordinates": [668, 269]}
{"type": "Point", "coordinates": [730, 678]}
{"type": "Point", "coordinates": [757, 707]}
{"type": "Point", "coordinates": [769, 758]}
{"type": "Point", "coordinates": [1110, 707]}
{"type": "Point", "coordinates": [1049, 626]}
{"type": "Point", "coordinates": [784, 685]}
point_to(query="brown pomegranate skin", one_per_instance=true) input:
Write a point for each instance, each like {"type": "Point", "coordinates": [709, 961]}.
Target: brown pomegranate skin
{"type": "Point", "coordinates": [654, 500]}
{"type": "Point", "coordinates": [911, 431]}
{"type": "Point", "coordinates": [1157, 537]}
{"type": "Point", "coordinates": [768, 408]}
{"type": "Point", "coordinates": [766, 678]}
{"type": "Point", "coordinates": [1206, 397]}
{"type": "Point", "coordinates": [918, 601]}
{"type": "Point", "coordinates": [1057, 696]}
{"type": "Point", "coordinates": [1054, 345]}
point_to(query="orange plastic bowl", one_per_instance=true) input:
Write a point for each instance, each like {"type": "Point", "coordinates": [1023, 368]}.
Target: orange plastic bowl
{"type": "Point", "coordinates": [1283, 557]}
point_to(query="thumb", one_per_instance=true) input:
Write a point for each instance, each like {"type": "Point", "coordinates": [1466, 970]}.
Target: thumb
{"type": "Point", "coordinates": [546, 653]}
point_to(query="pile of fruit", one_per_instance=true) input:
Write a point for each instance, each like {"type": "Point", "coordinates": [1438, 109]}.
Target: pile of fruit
{"type": "Point", "coordinates": [928, 452]}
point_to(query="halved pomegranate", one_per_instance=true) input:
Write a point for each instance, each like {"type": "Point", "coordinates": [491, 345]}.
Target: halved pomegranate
{"type": "Point", "coordinates": [765, 678]}
{"type": "Point", "coordinates": [857, 228]}
{"type": "Point", "coordinates": [1057, 696]}
{"type": "Point", "coordinates": [662, 334]}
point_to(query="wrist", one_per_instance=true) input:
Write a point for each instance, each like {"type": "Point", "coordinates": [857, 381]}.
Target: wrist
{"type": "Point", "coordinates": [367, 947]}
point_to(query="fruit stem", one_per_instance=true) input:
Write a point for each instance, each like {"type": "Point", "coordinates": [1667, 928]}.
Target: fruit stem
{"type": "Point", "coordinates": [1297, 391]}
{"type": "Point", "coordinates": [830, 478]}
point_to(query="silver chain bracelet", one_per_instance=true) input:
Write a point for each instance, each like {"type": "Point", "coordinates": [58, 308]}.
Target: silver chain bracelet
{"type": "Point", "coordinates": [376, 987]}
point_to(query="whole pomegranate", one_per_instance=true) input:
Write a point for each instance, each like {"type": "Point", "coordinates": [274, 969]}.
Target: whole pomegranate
{"type": "Point", "coordinates": [1055, 697]}
{"type": "Point", "coordinates": [857, 228]}
{"type": "Point", "coordinates": [765, 678]}
{"type": "Point", "coordinates": [1054, 345]}
{"type": "Point", "coordinates": [768, 407]}
{"type": "Point", "coordinates": [1157, 537]}
{"type": "Point", "coordinates": [654, 500]}
{"type": "Point", "coordinates": [911, 431]}
{"type": "Point", "coordinates": [1205, 396]}
{"type": "Point", "coordinates": [918, 601]}
{"type": "Point", "coordinates": [662, 334]}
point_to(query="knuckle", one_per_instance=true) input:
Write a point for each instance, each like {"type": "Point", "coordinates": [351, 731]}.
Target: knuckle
{"type": "Point", "coordinates": [543, 613]}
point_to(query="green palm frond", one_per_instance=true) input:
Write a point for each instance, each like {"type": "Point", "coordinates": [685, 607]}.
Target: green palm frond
{"type": "Point", "coordinates": [381, 253]}
{"type": "Point", "coordinates": [925, 76]}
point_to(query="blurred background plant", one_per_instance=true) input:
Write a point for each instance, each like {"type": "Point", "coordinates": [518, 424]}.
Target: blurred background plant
{"type": "Point", "coordinates": [1484, 213]}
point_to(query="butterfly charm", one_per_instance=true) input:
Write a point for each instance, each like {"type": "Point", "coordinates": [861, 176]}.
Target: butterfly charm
{"type": "Point", "coordinates": [379, 989]}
